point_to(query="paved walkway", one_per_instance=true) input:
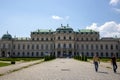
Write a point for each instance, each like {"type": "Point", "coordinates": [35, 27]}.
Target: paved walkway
{"type": "Point", "coordinates": [63, 69]}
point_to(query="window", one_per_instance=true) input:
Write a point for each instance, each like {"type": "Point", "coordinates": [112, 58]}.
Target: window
{"type": "Point", "coordinates": [106, 46]}
{"type": "Point", "coordinates": [117, 54]}
{"type": "Point", "coordinates": [117, 47]}
{"type": "Point", "coordinates": [18, 53]}
{"type": "Point", "coordinates": [23, 54]}
{"type": "Point", "coordinates": [70, 46]}
{"type": "Point", "coordinates": [92, 46]}
{"type": "Point", "coordinates": [23, 46]}
{"type": "Point", "coordinates": [51, 39]}
{"type": "Point", "coordinates": [28, 46]}
{"type": "Point", "coordinates": [42, 39]}
{"type": "Point", "coordinates": [46, 46]}
{"type": "Point", "coordinates": [46, 39]}
{"type": "Point", "coordinates": [59, 45]}
{"type": "Point", "coordinates": [101, 46]}
{"type": "Point", "coordinates": [87, 46]}
{"type": "Point", "coordinates": [111, 47]}
{"type": "Point", "coordinates": [96, 47]}
{"type": "Point", "coordinates": [32, 53]}
{"type": "Point", "coordinates": [81, 39]}
{"type": "Point", "coordinates": [42, 54]}
{"type": "Point", "coordinates": [59, 38]}
{"type": "Point", "coordinates": [13, 46]}
{"type": "Point", "coordinates": [32, 38]}
{"type": "Point", "coordinates": [70, 38]}
{"type": "Point", "coordinates": [82, 46]}
{"type": "Point", "coordinates": [86, 39]}
{"type": "Point", "coordinates": [41, 46]}
{"type": "Point", "coordinates": [111, 54]}
{"type": "Point", "coordinates": [27, 53]}
{"type": "Point", "coordinates": [37, 46]}
{"type": "Point", "coordinates": [92, 54]}
{"type": "Point", "coordinates": [32, 46]}
{"type": "Point", "coordinates": [37, 39]}
{"type": "Point", "coordinates": [64, 45]}
{"type": "Point", "coordinates": [101, 54]}
{"type": "Point", "coordinates": [64, 38]}
{"type": "Point", "coordinates": [18, 46]}
{"type": "Point", "coordinates": [37, 53]}
{"type": "Point", "coordinates": [106, 54]}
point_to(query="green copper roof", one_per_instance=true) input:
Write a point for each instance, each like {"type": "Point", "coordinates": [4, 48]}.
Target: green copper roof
{"type": "Point", "coordinates": [6, 36]}
{"type": "Point", "coordinates": [86, 30]}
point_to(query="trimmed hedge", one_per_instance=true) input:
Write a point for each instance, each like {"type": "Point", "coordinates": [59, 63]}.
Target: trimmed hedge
{"type": "Point", "coordinates": [47, 58]}
{"type": "Point", "coordinates": [82, 58]}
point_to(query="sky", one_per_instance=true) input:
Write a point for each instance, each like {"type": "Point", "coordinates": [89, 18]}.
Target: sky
{"type": "Point", "coordinates": [21, 17]}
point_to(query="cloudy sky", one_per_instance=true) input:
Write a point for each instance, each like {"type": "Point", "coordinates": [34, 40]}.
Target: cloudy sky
{"type": "Point", "coordinates": [20, 17]}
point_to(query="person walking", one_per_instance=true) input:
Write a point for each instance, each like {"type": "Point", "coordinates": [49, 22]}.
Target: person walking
{"type": "Point", "coordinates": [114, 63]}
{"type": "Point", "coordinates": [96, 61]}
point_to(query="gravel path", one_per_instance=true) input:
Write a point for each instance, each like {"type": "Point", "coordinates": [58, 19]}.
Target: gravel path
{"type": "Point", "coordinates": [63, 69]}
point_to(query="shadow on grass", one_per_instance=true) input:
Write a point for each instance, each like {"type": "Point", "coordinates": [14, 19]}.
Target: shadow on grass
{"type": "Point", "coordinates": [103, 72]}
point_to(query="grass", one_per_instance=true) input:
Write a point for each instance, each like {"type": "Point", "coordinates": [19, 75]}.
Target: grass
{"type": "Point", "coordinates": [19, 59]}
{"type": "Point", "coordinates": [22, 68]}
{"type": "Point", "coordinates": [4, 64]}
{"type": "Point", "coordinates": [105, 59]}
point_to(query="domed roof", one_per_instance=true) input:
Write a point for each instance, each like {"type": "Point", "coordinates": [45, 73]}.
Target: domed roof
{"type": "Point", "coordinates": [64, 28]}
{"type": "Point", "coordinates": [6, 36]}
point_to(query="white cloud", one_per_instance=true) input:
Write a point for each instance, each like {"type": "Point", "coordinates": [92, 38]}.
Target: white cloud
{"type": "Point", "coordinates": [116, 9]}
{"type": "Point", "coordinates": [57, 17]}
{"type": "Point", "coordinates": [60, 18]}
{"type": "Point", "coordinates": [108, 29]}
{"type": "Point", "coordinates": [114, 2]}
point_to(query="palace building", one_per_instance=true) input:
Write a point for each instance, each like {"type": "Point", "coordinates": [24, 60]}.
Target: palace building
{"type": "Point", "coordinates": [63, 42]}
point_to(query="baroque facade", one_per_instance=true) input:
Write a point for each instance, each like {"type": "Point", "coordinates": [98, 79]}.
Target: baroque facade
{"type": "Point", "coordinates": [64, 42]}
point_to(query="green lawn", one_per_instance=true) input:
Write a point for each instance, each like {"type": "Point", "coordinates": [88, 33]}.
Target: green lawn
{"type": "Point", "coordinates": [106, 59]}
{"type": "Point", "coordinates": [4, 64]}
{"type": "Point", "coordinates": [19, 59]}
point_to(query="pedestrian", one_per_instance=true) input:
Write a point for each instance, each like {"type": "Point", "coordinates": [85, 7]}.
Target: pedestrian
{"type": "Point", "coordinates": [114, 63]}
{"type": "Point", "coordinates": [96, 61]}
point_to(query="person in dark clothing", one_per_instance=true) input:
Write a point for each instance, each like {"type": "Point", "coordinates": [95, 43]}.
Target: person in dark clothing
{"type": "Point", "coordinates": [114, 63]}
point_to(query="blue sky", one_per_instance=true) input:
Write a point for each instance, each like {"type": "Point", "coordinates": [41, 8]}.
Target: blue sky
{"type": "Point", "coordinates": [20, 17]}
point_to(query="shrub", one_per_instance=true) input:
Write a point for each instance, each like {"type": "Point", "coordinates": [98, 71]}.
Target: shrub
{"type": "Point", "coordinates": [47, 58]}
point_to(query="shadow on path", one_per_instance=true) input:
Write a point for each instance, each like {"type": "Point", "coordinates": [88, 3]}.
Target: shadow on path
{"type": "Point", "coordinates": [102, 72]}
